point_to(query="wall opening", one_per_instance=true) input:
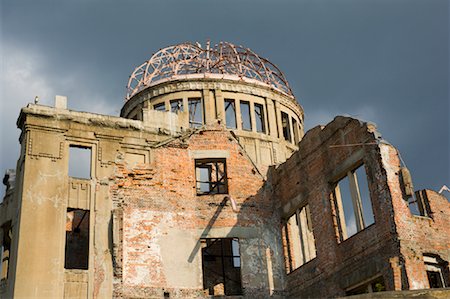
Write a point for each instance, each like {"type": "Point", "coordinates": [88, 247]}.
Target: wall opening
{"type": "Point", "coordinates": [286, 127]}
{"type": "Point", "coordinates": [5, 250]}
{"type": "Point", "coordinates": [353, 203]}
{"type": "Point", "coordinates": [160, 107]}
{"type": "Point", "coordinates": [77, 239]}
{"type": "Point", "coordinates": [211, 176]}
{"type": "Point", "coordinates": [436, 271]}
{"type": "Point", "coordinates": [230, 113]}
{"type": "Point", "coordinates": [195, 112]}
{"type": "Point", "coordinates": [299, 237]}
{"type": "Point", "coordinates": [372, 286]}
{"type": "Point", "coordinates": [176, 106]}
{"type": "Point", "coordinates": [259, 118]}
{"type": "Point", "coordinates": [245, 116]}
{"type": "Point", "coordinates": [221, 265]}
{"type": "Point", "coordinates": [80, 162]}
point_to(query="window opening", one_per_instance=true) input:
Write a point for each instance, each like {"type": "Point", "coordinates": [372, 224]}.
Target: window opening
{"type": "Point", "coordinates": [373, 286]}
{"type": "Point", "coordinates": [296, 131]}
{"type": "Point", "coordinates": [221, 265]}
{"type": "Point", "coordinates": [259, 113]}
{"type": "Point", "coordinates": [195, 112]}
{"type": "Point", "coordinates": [286, 127]}
{"type": "Point", "coordinates": [160, 107]}
{"type": "Point", "coordinates": [80, 162]}
{"type": "Point", "coordinates": [353, 203]}
{"type": "Point", "coordinates": [5, 250]}
{"type": "Point", "coordinates": [230, 113]}
{"type": "Point", "coordinates": [418, 204]}
{"type": "Point", "coordinates": [211, 176]}
{"type": "Point", "coordinates": [176, 105]}
{"type": "Point", "coordinates": [300, 238]}
{"type": "Point", "coordinates": [434, 267]}
{"type": "Point", "coordinates": [77, 239]}
{"type": "Point", "coordinates": [245, 116]}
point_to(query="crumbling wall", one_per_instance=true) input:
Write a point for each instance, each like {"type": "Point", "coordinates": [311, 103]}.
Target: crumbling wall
{"type": "Point", "coordinates": [164, 219]}
{"type": "Point", "coordinates": [325, 155]}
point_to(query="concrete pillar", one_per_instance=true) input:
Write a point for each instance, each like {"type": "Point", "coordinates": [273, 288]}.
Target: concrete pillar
{"type": "Point", "coordinates": [220, 105]}
{"type": "Point", "coordinates": [271, 119]}
{"type": "Point", "coordinates": [210, 107]}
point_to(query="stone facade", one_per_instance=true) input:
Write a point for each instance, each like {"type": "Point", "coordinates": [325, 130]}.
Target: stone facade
{"type": "Point", "coordinates": [235, 202]}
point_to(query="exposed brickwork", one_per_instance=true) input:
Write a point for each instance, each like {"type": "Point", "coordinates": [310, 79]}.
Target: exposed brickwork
{"type": "Point", "coordinates": [391, 247]}
{"type": "Point", "coordinates": [160, 197]}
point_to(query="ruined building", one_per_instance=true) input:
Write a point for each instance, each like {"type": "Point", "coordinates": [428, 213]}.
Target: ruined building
{"type": "Point", "coordinates": [206, 185]}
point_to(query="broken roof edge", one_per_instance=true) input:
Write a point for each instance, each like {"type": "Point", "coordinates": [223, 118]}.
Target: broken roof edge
{"type": "Point", "coordinates": [319, 134]}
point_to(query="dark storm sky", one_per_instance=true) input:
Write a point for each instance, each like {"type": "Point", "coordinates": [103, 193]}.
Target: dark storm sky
{"type": "Point", "coordinates": [383, 61]}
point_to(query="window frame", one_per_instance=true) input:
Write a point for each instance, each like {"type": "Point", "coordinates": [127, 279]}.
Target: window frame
{"type": "Point", "coordinates": [179, 105]}
{"type": "Point", "coordinates": [261, 117]}
{"type": "Point", "coordinates": [248, 128]}
{"type": "Point", "coordinates": [214, 185]}
{"type": "Point", "coordinates": [227, 103]}
{"type": "Point", "coordinates": [356, 200]}
{"type": "Point", "coordinates": [71, 162]}
{"type": "Point", "coordinates": [209, 242]}
{"type": "Point", "coordinates": [301, 242]}
{"type": "Point", "coordinates": [192, 122]}
{"type": "Point", "coordinates": [158, 106]}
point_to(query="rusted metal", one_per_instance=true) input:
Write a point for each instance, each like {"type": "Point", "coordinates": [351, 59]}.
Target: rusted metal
{"type": "Point", "coordinates": [224, 60]}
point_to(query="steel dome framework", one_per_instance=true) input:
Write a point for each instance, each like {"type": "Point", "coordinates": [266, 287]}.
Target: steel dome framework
{"type": "Point", "coordinates": [223, 60]}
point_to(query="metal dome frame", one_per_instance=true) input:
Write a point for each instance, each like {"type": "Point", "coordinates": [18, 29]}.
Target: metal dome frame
{"type": "Point", "coordinates": [224, 60]}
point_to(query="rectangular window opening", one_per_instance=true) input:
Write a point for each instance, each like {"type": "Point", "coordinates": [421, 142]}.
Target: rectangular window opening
{"type": "Point", "coordinates": [435, 268]}
{"type": "Point", "coordinates": [160, 107]}
{"type": "Point", "coordinates": [221, 265]}
{"type": "Point", "coordinates": [296, 131]}
{"type": "Point", "coordinates": [286, 127]}
{"type": "Point", "coordinates": [259, 117]}
{"type": "Point", "coordinates": [77, 239]}
{"type": "Point", "coordinates": [176, 105]}
{"type": "Point", "coordinates": [80, 162]}
{"type": "Point", "coordinates": [230, 113]}
{"type": "Point", "coordinates": [195, 112]}
{"type": "Point", "coordinates": [352, 198]}
{"type": "Point", "coordinates": [299, 238]}
{"type": "Point", "coordinates": [245, 116]}
{"type": "Point", "coordinates": [373, 286]}
{"type": "Point", "coordinates": [5, 250]}
{"type": "Point", "coordinates": [211, 176]}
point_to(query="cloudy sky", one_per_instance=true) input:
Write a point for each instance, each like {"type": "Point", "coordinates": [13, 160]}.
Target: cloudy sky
{"type": "Point", "coordinates": [386, 61]}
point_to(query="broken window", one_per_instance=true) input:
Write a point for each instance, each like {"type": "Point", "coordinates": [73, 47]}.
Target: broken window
{"type": "Point", "coordinates": [195, 112]}
{"type": "Point", "coordinates": [221, 265]}
{"type": "Point", "coordinates": [372, 286]}
{"type": "Point", "coordinates": [353, 203]}
{"type": "Point", "coordinates": [245, 116]}
{"type": "Point", "coordinates": [5, 250]}
{"type": "Point", "coordinates": [296, 131]}
{"type": "Point", "coordinates": [418, 204]}
{"type": "Point", "coordinates": [80, 162]}
{"type": "Point", "coordinates": [435, 271]}
{"type": "Point", "coordinates": [211, 176]}
{"type": "Point", "coordinates": [230, 113]}
{"type": "Point", "coordinates": [259, 117]}
{"type": "Point", "coordinates": [160, 107]}
{"type": "Point", "coordinates": [176, 105]}
{"type": "Point", "coordinates": [286, 127]}
{"type": "Point", "coordinates": [299, 238]}
{"type": "Point", "coordinates": [77, 239]}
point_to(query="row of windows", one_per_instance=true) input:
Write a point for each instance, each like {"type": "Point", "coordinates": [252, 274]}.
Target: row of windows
{"type": "Point", "coordinates": [196, 116]}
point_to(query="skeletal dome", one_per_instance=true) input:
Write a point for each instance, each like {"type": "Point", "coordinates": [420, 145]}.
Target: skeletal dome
{"type": "Point", "coordinates": [221, 61]}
